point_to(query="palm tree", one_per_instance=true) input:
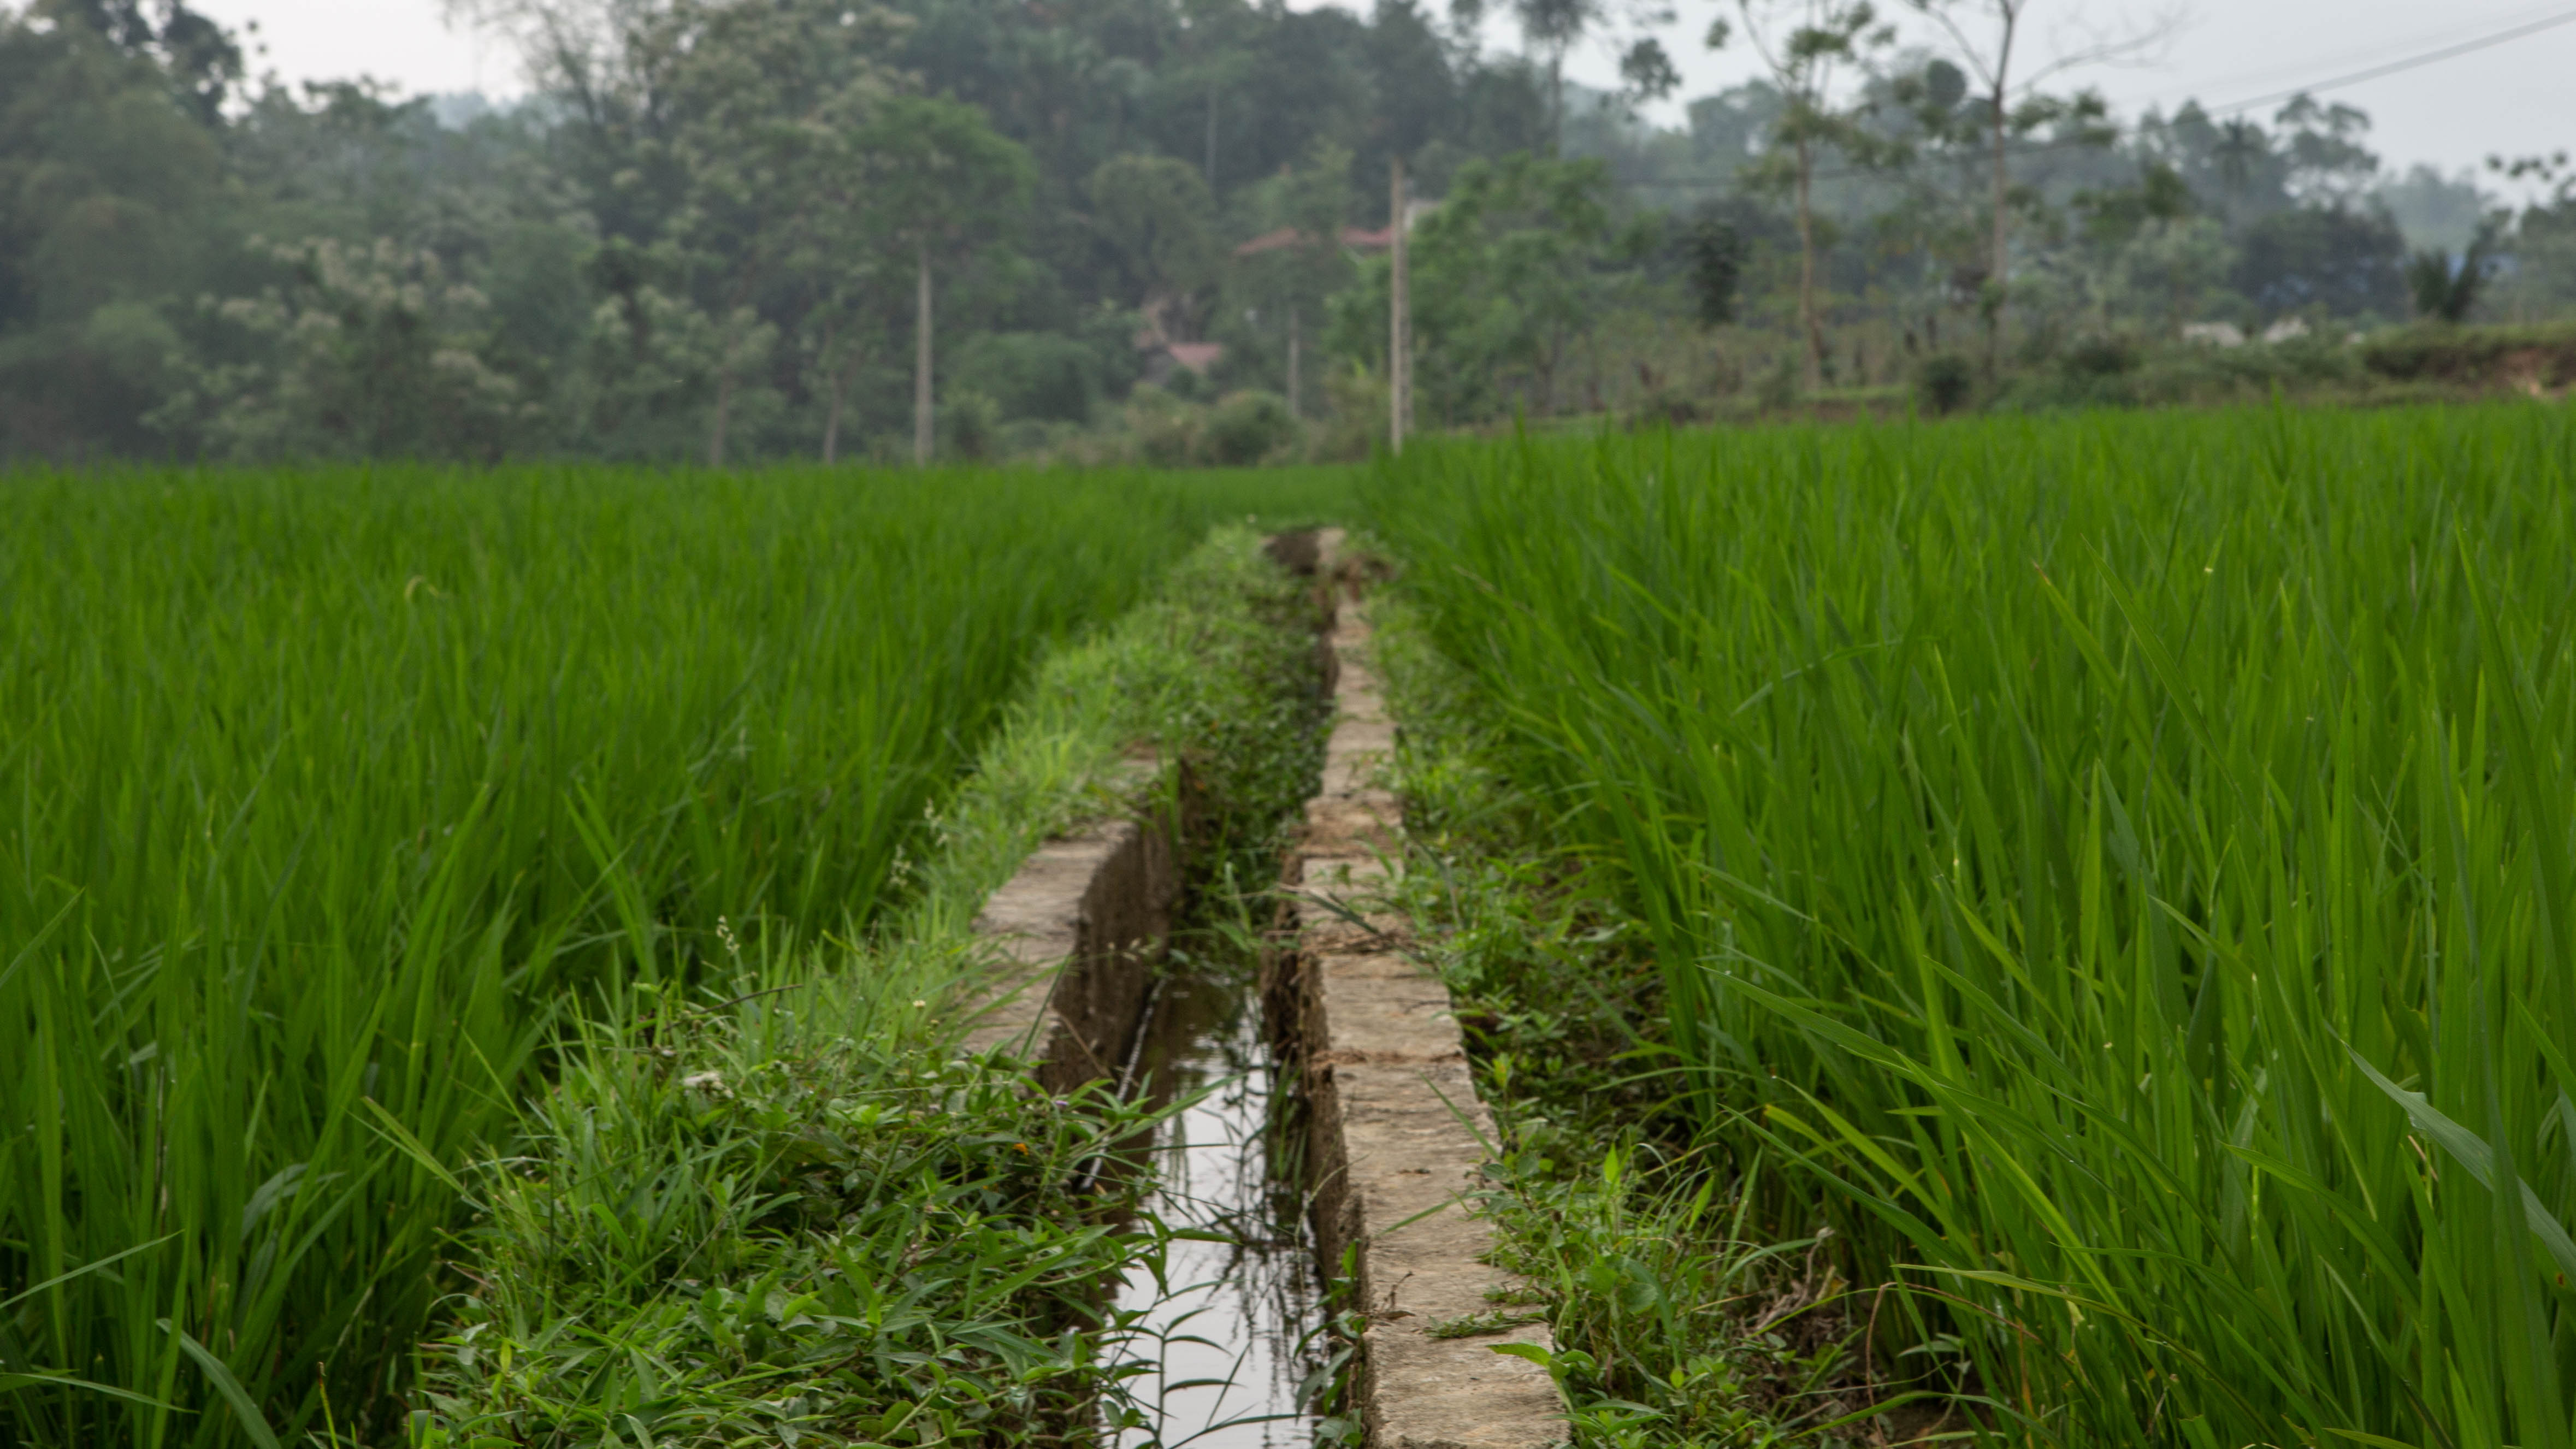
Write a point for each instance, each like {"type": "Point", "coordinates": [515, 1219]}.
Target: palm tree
{"type": "Point", "coordinates": [2443, 294]}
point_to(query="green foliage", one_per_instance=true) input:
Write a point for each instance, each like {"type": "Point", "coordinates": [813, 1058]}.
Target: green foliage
{"type": "Point", "coordinates": [1031, 374]}
{"type": "Point", "coordinates": [701, 239]}
{"type": "Point", "coordinates": [1945, 382]}
{"type": "Point", "coordinates": [116, 214]}
{"type": "Point", "coordinates": [788, 1212]}
{"type": "Point", "coordinates": [2115, 860]}
{"type": "Point", "coordinates": [1716, 268]}
{"type": "Point", "coordinates": [2444, 293]}
{"type": "Point", "coordinates": [858, 1239]}
{"type": "Point", "coordinates": [1157, 213]}
{"type": "Point", "coordinates": [336, 792]}
{"type": "Point", "coordinates": [969, 421]}
{"type": "Point", "coordinates": [2345, 263]}
{"type": "Point", "coordinates": [1510, 271]}
{"type": "Point", "coordinates": [2529, 357]}
{"type": "Point", "coordinates": [1247, 427]}
{"type": "Point", "coordinates": [367, 353]}
{"type": "Point", "coordinates": [1671, 1325]}
{"type": "Point", "coordinates": [650, 373]}
{"type": "Point", "coordinates": [2103, 372]}
{"type": "Point", "coordinates": [1165, 426]}
{"type": "Point", "coordinates": [934, 173]}
{"type": "Point", "coordinates": [1241, 429]}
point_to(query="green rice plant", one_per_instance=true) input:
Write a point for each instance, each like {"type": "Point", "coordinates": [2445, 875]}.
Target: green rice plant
{"type": "Point", "coordinates": [329, 794]}
{"type": "Point", "coordinates": [2126, 859]}
{"type": "Point", "coordinates": [900, 1245]}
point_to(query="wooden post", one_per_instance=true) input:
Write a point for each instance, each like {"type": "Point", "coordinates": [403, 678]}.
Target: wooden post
{"type": "Point", "coordinates": [1399, 341]}
{"type": "Point", "coordinates": [921, 368]}
{"type": "Point", "coordinates": [1294, 410]}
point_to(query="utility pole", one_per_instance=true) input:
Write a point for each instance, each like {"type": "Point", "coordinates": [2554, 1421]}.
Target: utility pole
{"type": "Point", "coordinates": [1399, 342]}
{"type": "Point", "coordinates": [921, 368]}
{"type": "Point", "coordinates": [1294, 409]}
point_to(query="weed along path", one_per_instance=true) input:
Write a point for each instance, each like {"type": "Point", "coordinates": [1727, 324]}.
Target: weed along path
{"type": "Point", "coordinates": [1124, 967]}
{"type": "Point", "coordinates": [885, 1191]}
{"type": "Point", "coordinates": [1093, 995]}
{"type": "Point", "coordinates": [1398, 1137]}
{"type": "Point", "coordinates": [1049, 1158]}
{"type": "Point", "coordinates": [1335, 1103]}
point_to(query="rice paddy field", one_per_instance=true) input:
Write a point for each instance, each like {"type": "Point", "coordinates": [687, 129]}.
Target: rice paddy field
{"type": "Point", "coordinates": [2116, 872]}
{"type": "Point", "coordinates": [335, 800]}
{"type": "Point", "coordinates": [2123, 867]}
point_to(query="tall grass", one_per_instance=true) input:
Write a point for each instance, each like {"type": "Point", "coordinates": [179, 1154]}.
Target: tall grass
{"type": "Point", "coordinates": [897, 1246]}
{"type": "Point", "coordinates": [2127, 857]}
{"type": "Point", "coordinates": [326, 793]}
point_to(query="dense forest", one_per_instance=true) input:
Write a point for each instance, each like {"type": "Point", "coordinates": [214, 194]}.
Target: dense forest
{"type": "Point", "coordinates": [713, 230]}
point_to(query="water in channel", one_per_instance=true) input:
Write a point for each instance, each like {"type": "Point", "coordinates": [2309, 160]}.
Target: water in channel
{"type": "Point", "coordinates": [1232, 1333]}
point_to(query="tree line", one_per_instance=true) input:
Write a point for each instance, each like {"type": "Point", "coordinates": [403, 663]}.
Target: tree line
{"type": "Point", "coordinates": [730, 230]}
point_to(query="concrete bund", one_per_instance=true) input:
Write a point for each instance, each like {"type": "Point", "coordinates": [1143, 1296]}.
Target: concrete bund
{"type": "Point", "coordinates": [1076, 934]}
{"type": "Point", "coordinates": [1397, 1131]}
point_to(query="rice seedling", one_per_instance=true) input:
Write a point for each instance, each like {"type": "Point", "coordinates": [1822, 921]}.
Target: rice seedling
{"type": "Point", "coordinates": [331, 796]}
{"type": "Point", "coordinates": [2125, 861]}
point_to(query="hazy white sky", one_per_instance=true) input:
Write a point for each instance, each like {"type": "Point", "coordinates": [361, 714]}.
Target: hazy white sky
{"type": "Point", "coordinates": [2518, 97]}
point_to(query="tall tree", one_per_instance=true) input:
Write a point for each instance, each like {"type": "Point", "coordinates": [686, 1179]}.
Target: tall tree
{"type": "Point", "coordinates": [941, 183]}
{"type": "Point", "coordinates": [726, 131]}
{"type": "Point", "coordinates": [1554, 27]}
{"type": "Point", "coordinates": [1285, 277]}
{"type": "Point", "coordinates": [200, 61]}
{"type": "Point", "coordinates": [1160, 219]}
{"type": "Point", "coordinates": [2329, 165]}
{"type": "Point", "coordinates": [116, 217]}
{"type": "Point", "coordinates": [772, 102]}
{"type": "Point", "coordinates": [1811, 48]}
{"type": "Point", "coordinates": [1521, 262]}
{"type": "Point", "coordinates": [2013, 106]}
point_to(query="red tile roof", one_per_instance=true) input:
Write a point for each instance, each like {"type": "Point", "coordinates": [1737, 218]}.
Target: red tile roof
{"type": "Point", "coordinates": [1289, 236]}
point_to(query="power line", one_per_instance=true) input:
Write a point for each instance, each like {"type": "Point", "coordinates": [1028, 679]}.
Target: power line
{"type": "Point", "coordinates": [2368, 52]}
{"type": "Point", "coordinates": [2412, 62]}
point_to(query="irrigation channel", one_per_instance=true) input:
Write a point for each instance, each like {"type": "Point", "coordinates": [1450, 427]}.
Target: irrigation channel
{"type": "Point", "coordinates": [1231, 1324]}
{"type": "Point", "coordinates": [1225, 1347]}
{"type": "Point", "coordinates": [1232, 1327]}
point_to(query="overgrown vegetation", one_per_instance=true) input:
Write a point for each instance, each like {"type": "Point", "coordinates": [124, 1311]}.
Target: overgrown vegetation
{"type": "Point", "coordinates": [1680, 1314]}
{"type": "Point", "coordinates": [2539, 360]}
{"type": "Point", "coordinates": [719, 1226]}
{"type": "Point", "coordinates": [2105, 869]}
{"type": "Point", "coordinates": [790, 1214]}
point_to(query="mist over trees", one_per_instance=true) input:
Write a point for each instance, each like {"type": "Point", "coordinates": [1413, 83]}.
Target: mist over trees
{"type": "Point", "coordinates": [714, 229]}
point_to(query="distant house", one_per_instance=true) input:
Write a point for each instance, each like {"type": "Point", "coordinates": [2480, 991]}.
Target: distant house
{"type": "Point", "coordinates": [1289, 236]}
{"type": "Point", "coordinates": [1352, 237]}
{"type": "Point", "coordinates": [1161, 356]}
